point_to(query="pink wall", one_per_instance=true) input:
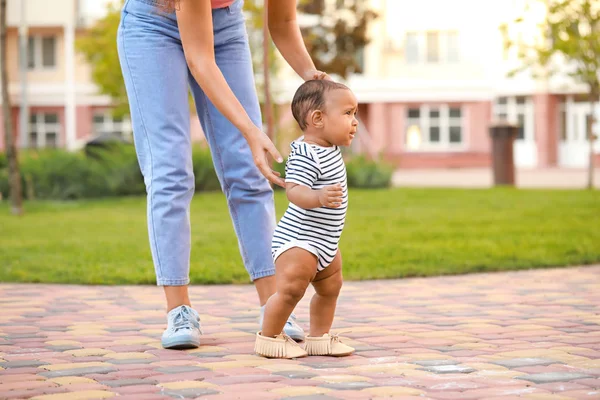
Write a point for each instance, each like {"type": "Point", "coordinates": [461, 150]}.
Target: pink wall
{"type": "Point", "coordinates": [442, 160]}
{"type": "Point", "coordinates": [83, 125]}
{"type": "Point", "coordinates": [386, 125]}
{"type": "Point", "coordinates": [546, 128]}
{"type": "Point", "coordinates": [476, 123]}
{"type": "Point", "coordinates": [378, 126]}
{"type": "Point", "coordinates": [397, 127]}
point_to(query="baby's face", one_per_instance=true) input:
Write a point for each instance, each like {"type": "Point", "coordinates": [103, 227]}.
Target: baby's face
{"type": "Point", "coordinates": [339, 119]}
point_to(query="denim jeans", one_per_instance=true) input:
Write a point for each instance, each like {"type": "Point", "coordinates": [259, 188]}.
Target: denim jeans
{"type": "Point", "coordinates": [157, 80]}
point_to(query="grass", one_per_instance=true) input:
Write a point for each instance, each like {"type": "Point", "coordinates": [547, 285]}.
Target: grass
{"type": "Point", "coordinates": [389, 234]}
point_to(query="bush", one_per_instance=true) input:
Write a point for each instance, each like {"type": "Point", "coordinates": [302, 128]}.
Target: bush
{"type": "Point", "coordinates": [100, 171]}
{"type": "Point", "coordinates": [59, 175]}
{"type": "Point", "coordinates": [113, 170]}
{"type": "Point", "coordinates": [3, 183]}
{"type": "Point", "coordinates": [361, 172]}
{"type": "Point", "coordinates": [204, 171]}
{"type": "Point", "coordinates": [120, 168]}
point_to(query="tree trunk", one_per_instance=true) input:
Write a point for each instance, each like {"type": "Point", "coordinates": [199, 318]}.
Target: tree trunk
{"type": "Point", "coordinates": [590, 134]}
{"type": "Point", "coordinates": [14, 177]}
{"type": "Point", "coordinates": [268, 106]}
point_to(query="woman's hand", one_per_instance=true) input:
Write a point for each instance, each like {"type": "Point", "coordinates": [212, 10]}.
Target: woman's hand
{"type": "Point", "coordinates": [312, 74]}
{"type": "Point", "coordinates": [261, 146]}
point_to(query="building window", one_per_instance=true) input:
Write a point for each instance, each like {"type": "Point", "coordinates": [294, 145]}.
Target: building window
{"type": "Point", "coordinates": [517, 110]}
{"type": "Point", "coordinates": [412, 48]}
{"type": "Point", "coordinates": [455, 125]}
{"type": "Point", "coordinates": [44, 129]}
{"type": "Point", "coordinates": [563, 123]}
{"type": "Point", "coordinates": [434, 128]}
{"type": "Point", "coordinates": [413, 132]}
{"type": "Point", "coordinates": [434, 47]}
{"type": "Point", "coordinates": [48, 52]}
{"type": "Point", "coordinates": [434, 125]}
{"type": "Point", "coordinates": [104, 123]}
{"type": "Point", "coordinates": [360, 60]}
{"type": "Point", "coordinates": [452, 47]}
{"type": "Point", "coordinates": [521, 123]}
{"type": "Point", "coordinates": [30, 53]}
{"type": "Point", "coordinates": [41, 52]}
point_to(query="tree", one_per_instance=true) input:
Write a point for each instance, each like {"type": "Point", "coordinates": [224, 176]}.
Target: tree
{"type": "Point", "coordinates": [16, 193]}
{"type": "Point", "coordinates": [99, 49]}
{"type": "Point", "coordinates": [568, 38]}
{"type": "Point", "coordinates": [263, 54]}
{"type": "Point", "coordinates": [336, 41]}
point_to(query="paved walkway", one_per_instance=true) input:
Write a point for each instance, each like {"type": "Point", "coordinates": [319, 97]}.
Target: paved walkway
{"type": "Point", "coordinates": [530, 334]}
{"type": "Point", "coordinates": [551, 178]}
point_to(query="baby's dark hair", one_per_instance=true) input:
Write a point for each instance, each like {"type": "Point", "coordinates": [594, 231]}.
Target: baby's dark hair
{"type": "Point", "coordinates": [310, 96]}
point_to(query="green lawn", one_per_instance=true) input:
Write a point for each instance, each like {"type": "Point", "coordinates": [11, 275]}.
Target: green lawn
{"type": "Point", "coordinates": [389, 234]}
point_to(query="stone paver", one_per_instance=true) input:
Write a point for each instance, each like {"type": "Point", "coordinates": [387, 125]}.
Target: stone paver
{"type": "Point", "coordinates": [529, 334]}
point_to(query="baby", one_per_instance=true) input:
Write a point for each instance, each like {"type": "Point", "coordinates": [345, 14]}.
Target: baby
{"type": "Point", "coordinates": [305, 243]}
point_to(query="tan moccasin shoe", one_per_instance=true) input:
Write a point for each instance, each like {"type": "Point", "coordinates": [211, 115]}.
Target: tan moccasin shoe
{"type": "Point", "coordinates": [327, 345]}
{"type": "Point", "coordinates": [281, 346]}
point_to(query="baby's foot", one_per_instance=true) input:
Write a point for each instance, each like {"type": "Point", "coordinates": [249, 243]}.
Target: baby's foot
{"type": "Point", "coordinates": [327, 345]}
{"type": "Point", "coordinates": [281, 346]}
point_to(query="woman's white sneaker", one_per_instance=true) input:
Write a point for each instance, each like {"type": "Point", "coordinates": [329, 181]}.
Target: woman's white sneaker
{"type": "Point", "coordinates": [183, 329]}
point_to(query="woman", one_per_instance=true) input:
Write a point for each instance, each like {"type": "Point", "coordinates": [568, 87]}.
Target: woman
{"type": "Point", "coordinates": [166, 46]}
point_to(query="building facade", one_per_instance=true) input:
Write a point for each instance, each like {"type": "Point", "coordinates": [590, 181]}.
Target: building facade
{"type": "Point", "coordinates": [434, 80]}
{"type": "Point", "coordinates": [64, 109]}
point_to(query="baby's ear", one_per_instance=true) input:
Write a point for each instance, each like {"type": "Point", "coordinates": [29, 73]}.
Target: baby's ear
{"type": "Point", "coordinates": [315, 118]}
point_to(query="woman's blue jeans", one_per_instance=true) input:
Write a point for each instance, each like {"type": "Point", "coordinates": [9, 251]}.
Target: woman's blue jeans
{"type": "Point", "coordinates": [157, 81]}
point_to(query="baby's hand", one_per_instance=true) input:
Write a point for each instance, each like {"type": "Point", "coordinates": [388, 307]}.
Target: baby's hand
{"type": "Point", "coordinates": [331, 196]}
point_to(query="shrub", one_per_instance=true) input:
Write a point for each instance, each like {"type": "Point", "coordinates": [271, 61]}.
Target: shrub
{"type": "Point", "coordinates": [108, 170]}
{"type": "Point", "coordinates": [364, 173]}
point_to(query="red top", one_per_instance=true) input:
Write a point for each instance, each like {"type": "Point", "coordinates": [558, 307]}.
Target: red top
{"type": "Point", "coordinates": [221, 3]}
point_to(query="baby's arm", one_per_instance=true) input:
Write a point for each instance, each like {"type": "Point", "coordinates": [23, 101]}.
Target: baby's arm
{"type": "Point", "coordinates": [307, 198]}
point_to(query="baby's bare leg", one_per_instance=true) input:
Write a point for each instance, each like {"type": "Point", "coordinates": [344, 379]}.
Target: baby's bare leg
{"type": "Point", "coordinates": [327, 286]}
{"type": "Point", "coordinates": [295, 268]}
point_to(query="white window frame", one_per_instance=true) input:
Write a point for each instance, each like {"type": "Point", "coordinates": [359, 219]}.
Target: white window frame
{"type": "Point", "coordinates": [443, 47]}
{"type": "Point", "coordinates": [37, 63]}
{"type": "Point", "coordinates": [418, 46]}
{"type": "Point", "coordinates": [42, 129]}
{"type": "Point", "coordinates": [440, 51]}
{"type": "Point", "coordinates": [444, 121]}
{"type": "Point", "coordinates": [109, 125]}
{"type": "Point", "coordinates": [512, 110]}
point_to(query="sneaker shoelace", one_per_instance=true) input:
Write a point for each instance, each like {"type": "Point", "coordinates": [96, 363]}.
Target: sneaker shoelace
{"type": "Point", "coordinates": [185, 320]}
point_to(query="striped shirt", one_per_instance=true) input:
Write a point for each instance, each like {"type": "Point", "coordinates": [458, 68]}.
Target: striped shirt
{"type": "Point", "coordinates": [315, 167]}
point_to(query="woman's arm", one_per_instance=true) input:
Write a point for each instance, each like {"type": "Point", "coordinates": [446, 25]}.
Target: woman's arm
{"type": "Point", "coordinates": [286, 35]}
{"type": "Point", "coordinates": [195, 27]}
